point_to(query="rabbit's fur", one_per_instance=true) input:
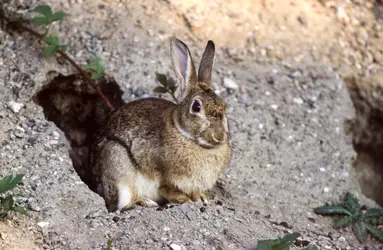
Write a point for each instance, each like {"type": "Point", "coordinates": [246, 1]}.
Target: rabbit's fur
{"type": "Point", "coordinates": [153, 151]}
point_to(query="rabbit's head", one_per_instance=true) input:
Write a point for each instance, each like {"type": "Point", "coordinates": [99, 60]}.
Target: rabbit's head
{"type": "Point", "coordinates": [201, 114]}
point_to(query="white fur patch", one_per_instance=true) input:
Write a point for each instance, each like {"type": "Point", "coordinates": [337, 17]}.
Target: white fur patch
{"type": "Point", "coordinates": [124, 196]}
{"type": "Point", "coordinates": [148, 188]}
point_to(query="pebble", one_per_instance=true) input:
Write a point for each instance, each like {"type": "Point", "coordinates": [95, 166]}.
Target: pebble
{"type": "Point", "coordinates": [217, 224]}
{"type": "Point", "coordinates": [230, 83]}
{"type": "Point", "coordinates": [19, 132]}
{"type": "Point", "coordinates": [166, 229]}
{"type": "Point", "coordinates": [42, 224]}
{"type": "Point", "coordinates": [298, 100]}
{"type": "Point", "coordinates": [56, 135]}
{"type": "Point", "coordinates": [15, 106]}
{"type": "Point", "coordinates": [175, 247]}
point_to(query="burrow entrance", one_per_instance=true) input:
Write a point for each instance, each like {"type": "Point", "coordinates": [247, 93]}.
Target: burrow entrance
{"type": "Point", "coordinates": [75, 107]}
{"type": "Point", "coordinates": [367, 132]}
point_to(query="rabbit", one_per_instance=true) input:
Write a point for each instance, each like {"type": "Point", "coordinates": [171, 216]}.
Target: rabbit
{"type": "Point", "coordinates": [152, 151]}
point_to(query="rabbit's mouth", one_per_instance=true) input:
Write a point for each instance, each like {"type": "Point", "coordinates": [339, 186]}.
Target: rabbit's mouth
{"type": "Point", "coordinates": [218, 141]}
{"type": "Point", "coordinates": [211, 140]}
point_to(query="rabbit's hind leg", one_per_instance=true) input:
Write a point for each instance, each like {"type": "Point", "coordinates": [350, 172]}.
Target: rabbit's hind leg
{"type": "Point", "coordinates": [118, 175]}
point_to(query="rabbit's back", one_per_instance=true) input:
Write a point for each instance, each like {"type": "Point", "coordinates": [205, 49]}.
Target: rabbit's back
{"type": "Point", "coordinates": [141, 118]}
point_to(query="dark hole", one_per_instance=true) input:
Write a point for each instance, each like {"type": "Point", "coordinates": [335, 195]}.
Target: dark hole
{"type": "Point", "coordinates": [367, 133]}
{"type": "Point", "coordinates": [75, 107]}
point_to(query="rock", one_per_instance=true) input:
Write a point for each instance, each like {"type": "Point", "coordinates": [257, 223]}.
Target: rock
{"type": "Point", "coordinates": [298, 100]}
{"type": "Point", "coordinates": [230, 83]}
{"type": "Point", "coordinates": [42, 224]}
{"type": "Point", "coordinates": [19, 132]}
{"type": "Point", "coordinates": [15, 106]}
{"type": "Point", "coordinates": [302, 20]}
{"type": "Point", "coordinates": [175, 247]}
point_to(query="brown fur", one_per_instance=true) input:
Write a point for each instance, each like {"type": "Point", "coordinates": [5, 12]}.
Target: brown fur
{"type": "Point", "coordinates": [142, 139]}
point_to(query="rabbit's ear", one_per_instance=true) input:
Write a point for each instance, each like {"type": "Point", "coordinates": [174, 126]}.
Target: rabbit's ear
{"type": "Point", "coordinates": [206, 65]}
{"type": "Point", "coordinates": [183, 65]}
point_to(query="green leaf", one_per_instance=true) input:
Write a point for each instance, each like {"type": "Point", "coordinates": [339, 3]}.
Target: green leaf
{"type": "Point", "coordinates": [374, 232]}
{"type": "Point", "coordinates": [63, 47]}
{"type": "Point", "coordinates": [172, 85]}
{"type": "Point", "coordinates": [373, 216]}
{"type": "Point", "coordinates": [54, 40]}
{"type": "Point", "coordinates": [20, 209]}
{"type": "Point", "coordinates": [351, 203]}
{"type": "Point", "coordinates": [96, 67]}
{"type": "Point", "coordinates": [9, 182]}
{"type": "Point", "coordinates": [109, 244]}
{"type": "Point", "coordinates": [331, 209]}
{"type": "Point", "coordinates": [44, 10]}
{"type": "Point", "coordinates": [50, 50]}
{"type": "Point", "coordinates": [161, 78]}
{"type": "Point", "coordinates": [8, 203]}
{"type": "Point", "coordinates": [343, 221]}
{"type": "Point", "coordinates": [40, 20]}
{"type": "Point", "coordinates": [58, 16]}
{"type": "Point", "coordinates": [360, 231]}
{"type": "Point", "coordinates": [160, 89]}
{"type": "Point", "coordinates": [278, 244]}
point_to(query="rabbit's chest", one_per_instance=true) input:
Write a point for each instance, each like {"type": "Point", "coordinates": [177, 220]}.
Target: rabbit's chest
{"type": "Point", "coordinates": [202, 176]}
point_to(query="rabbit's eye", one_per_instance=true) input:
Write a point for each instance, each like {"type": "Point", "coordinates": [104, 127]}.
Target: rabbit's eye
{"type": "Point", "coordinates": [196, 107]}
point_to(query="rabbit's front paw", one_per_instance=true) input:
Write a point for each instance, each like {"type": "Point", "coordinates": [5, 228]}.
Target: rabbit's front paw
{"type": "Point", "coordinates": [200, 196]}
{"type": "Point", "coordinates": [145, 202]}
{"type": "Point", "coordinates": [174, 196]}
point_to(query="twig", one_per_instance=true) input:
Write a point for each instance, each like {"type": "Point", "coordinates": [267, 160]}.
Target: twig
{"type": "Point", "coordinates": [64, 55]}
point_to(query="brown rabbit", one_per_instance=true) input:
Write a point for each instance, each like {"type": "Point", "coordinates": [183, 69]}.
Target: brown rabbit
{"type": "Point", "coordinates": [153, 151]}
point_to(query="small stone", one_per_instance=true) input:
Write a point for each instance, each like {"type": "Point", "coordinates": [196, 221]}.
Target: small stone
{"type": "Point", "coordinates": [34, 207]}
{"type": "Point", "coordinates": [166, 229]}
{"type": "Point", "coordinates": [298, 100]}
{"type": "Point", "coordinates": [217, 224]}
{"type": "Point", "coordinates": [311, 220]}
{"type": "Point", "coordinates": [302, 20]}
{"type": "Point", "coordinates": [175, 247]}
{"type": "Point", "coordinates": [15, 106]}
{"type": "Point", "coordinates": [274, 106]}
{"type": "Point", "coordinates": [230, 84]}
{"type": "Point", "coordinates": [3, 235]}
{"type": "Point", "coordinates": [56, 135]}
{"type": "Point", "coordinates": [19, 132]}
{"type": "Point", "coordinates": [42, 224]}
{"type": "Point", "coordinates": [116, 219]}
{"type": "Point", "coordinates": [326, 189]}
